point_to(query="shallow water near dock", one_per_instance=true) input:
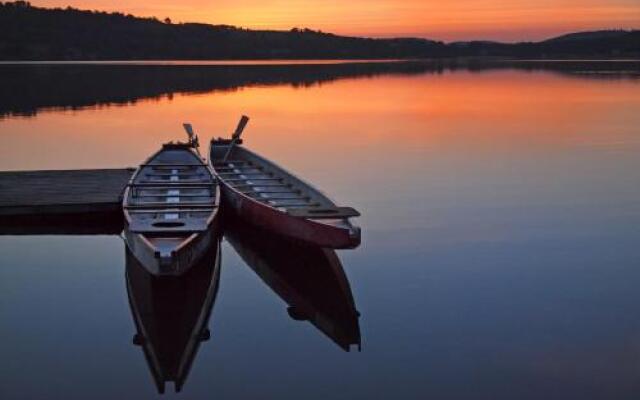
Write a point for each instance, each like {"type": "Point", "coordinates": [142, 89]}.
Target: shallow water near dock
{"type": "Point", "coordinates": [500, 222]}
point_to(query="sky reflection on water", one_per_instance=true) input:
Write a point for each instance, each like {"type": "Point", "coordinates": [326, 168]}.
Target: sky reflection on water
{"type": "Point", "coordinates": [499, 257]}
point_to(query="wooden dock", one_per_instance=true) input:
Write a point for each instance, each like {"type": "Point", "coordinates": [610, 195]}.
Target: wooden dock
{"type": "Point", "coordinates": [62, 192]}
{"type": "Point", "coordinates": [31, 201]}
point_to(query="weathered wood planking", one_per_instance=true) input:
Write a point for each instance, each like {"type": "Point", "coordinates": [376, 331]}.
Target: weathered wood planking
{"type": "Point", "coordinates": [46, 193]}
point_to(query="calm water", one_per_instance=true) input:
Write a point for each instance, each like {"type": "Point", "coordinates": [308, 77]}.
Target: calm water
{"type": "Point", "coordinates": [501, 230]}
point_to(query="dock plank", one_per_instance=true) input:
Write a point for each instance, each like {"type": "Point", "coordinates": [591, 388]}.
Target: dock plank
{"type": "Point", "coordinates": [46, 193]}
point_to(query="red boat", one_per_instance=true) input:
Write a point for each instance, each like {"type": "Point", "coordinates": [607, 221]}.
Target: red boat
{"type": "Point", "coordinates": [264, 194]}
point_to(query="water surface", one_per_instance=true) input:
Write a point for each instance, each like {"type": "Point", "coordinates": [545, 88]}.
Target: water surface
{"type": "Point", "coordinates": [500, 203]}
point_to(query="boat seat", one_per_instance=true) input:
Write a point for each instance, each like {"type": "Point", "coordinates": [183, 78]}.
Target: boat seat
{"type": "Point", "coordinates": [157, 201]}
{"type": "Point", "coordinates": [248, 175]}
{"type": "Point", "coordinates": [251, 179]}
{"type": "Point", "coordinates": [159, 225]}
{"type": "Point", "coordinates": [279, 196]}
{"type": "Point", "coordinates": [171, 166]}
{"type": "Point", "coordinates": [239, 170]}
{"type": "Point", "coordinates": [230, 163]}
{"type": "Point", "coordinates": [324, 213]}
{"type": "Point", "coordinates": [181, 175]}
{"type": "Point", "coordinates": [283, 190]}
{"type": "Point", "coordinates": [165, 205]}
{"type": "Point", "coordinates": [143, 196]}
{"type": "Point", "coordinates": [170, 184]}
{"type": "Point", "coordinates": [297, 202]}
{"type": "Point", "coordinates": [165, 181]}
{"type": "Point", "coordinates": [261, 185]}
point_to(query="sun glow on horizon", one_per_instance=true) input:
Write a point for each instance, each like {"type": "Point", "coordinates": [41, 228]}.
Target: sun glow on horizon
{"type": "Point", "coordinates": [516, 20]}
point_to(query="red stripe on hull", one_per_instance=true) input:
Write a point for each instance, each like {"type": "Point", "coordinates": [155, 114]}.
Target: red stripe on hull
{"type": "Point", "coordinates": [305, 230]}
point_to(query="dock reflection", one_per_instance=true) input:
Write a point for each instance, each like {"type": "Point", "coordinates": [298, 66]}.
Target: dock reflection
{"type": "Point", "coordinates": [90, 223]}
{"type": "Point", "coordinates": [309, 279]}
{"type": "Point", "coordinates": [172, 314]}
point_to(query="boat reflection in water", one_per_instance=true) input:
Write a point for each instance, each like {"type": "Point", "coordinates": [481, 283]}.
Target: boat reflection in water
{"type": "Point", "coordinates": [171, 314]}
{"type": "Point", "coordinates": [309, 279]}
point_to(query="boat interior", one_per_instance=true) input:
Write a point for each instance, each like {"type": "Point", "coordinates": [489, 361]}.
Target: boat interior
{"type": "Point", "coordinates": [267, 183]}
{"type": "Point", "coordinates": [174, 192]}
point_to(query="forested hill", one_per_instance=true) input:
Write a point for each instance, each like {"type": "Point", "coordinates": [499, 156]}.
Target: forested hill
{"type": "Point", "coordinates": [33, 33]}
{"type": "Point", "coordinates": [37, 33]}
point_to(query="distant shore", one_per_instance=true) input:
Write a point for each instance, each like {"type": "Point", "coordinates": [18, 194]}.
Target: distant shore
{"type": "Point", "coordinates": [39, 34]}
{"type": "Point", "coordinates": [259, 62]}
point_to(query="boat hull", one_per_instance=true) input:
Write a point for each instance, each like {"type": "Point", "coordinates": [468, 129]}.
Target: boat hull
{"type": "Point", "coordinates": [299, 229]}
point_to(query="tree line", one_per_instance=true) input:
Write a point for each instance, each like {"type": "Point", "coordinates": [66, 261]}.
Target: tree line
{"type": "Point", "coordinates": [35, 33]}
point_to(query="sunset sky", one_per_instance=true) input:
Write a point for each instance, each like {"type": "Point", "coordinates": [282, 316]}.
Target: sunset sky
{"type": "Point", "coordinates": [504, 20]}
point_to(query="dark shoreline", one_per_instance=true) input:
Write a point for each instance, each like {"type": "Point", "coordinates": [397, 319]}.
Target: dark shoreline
{"type": "Point", "coordinates": [34, 87]}
{"type": "Point", "coordinates": [327, 61]}
{"type": "Point", "coordinates": [36, 33]}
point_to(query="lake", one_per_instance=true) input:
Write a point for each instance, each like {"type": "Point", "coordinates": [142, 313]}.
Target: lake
{"type": "Point", "coordinates": [500, 253]}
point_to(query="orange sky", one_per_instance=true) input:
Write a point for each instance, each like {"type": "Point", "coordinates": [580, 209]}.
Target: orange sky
{"type": "Point", "coordinates": [443, 20]}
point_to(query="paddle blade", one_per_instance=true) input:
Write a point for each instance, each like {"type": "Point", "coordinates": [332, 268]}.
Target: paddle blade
{"type": "Point", "coordinates": [189, 129]}
{"type": "Point", "coordinates": [240, 128]}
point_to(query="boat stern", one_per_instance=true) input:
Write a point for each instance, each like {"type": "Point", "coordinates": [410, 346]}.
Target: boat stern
{"type": "Point", "coordinates": [355, 237]}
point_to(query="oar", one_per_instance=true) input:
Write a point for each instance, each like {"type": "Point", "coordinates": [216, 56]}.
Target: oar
{"type": "Point", "coordinates": [236, 136]}
{"type": "Point", "coordinates": [193, 138]}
